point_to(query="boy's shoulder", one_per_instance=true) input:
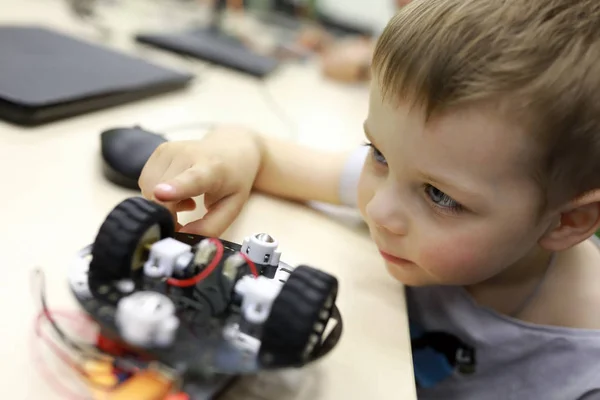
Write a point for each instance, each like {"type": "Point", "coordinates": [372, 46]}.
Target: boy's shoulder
{"type": "Point", "coordinates": [571, 295]}
{"type": "Point", "coordinates": [467, 351]}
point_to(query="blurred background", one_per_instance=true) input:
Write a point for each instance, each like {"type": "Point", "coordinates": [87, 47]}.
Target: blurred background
{"type": "Point", "coordinates": [341, 32]}
{"type": "Point", "coordinates": [288, 49]}
{"type": "Point", "coordinates": [89, 88]}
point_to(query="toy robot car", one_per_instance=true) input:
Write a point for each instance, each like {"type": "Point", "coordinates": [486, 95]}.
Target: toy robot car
{"type": "Point", "coordinates": [202, 305]}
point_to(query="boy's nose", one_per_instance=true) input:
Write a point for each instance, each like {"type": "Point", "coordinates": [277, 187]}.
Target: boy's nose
{"type": "Point", "coordinates": [386, 212]}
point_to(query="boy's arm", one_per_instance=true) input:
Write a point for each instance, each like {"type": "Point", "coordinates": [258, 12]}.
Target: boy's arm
{"type": "Point", "coordinates": [300, 173]}
{"type": "Point", "coordinates": [226, 165]}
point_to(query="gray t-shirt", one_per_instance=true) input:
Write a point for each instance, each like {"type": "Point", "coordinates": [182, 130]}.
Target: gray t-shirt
{"type": "Point", "coordinates": [464, 351]}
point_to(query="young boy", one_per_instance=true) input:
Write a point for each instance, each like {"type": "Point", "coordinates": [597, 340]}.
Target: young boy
{"type": "Point", "coordinates": [480, 184]}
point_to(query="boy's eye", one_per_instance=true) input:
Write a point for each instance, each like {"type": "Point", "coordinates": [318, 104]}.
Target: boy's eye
{"type": "Point", "coordinates": [377, 155]}
{"type": "Point", "coordinates": [441, 199]}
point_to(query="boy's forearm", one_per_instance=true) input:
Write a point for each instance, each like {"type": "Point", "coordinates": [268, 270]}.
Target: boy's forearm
{"type": "Point", "coordinates": [298, 172]}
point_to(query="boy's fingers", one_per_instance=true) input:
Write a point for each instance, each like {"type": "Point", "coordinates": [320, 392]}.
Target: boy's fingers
{"type": "Point", "coordinates": [190, 183]}
{"type": "Point", "coordinates": [174, 208]}
{"type": "Point", "coordinates": [217, 219]}
{"type": "Point", "coordinates": [185, 205]}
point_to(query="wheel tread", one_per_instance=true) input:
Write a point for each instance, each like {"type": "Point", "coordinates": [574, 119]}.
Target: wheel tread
{"type": "Point", "coordinates": [113, 247]}
{"type": "Point", "coordinates": [294, 314]}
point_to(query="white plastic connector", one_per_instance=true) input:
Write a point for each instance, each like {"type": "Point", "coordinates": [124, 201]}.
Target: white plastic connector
{"type": "Point", "coordinates": [166, 256]}
{"type": "Point", "coordinates": [78, 274]}
{"type": "Point", "coordinates": [258, 295]}
{"type": "Point", "coordinates": [125, 285]}
{"type": "Point", "coordinates": [232, 265]}
{"type": "Point", "coordinates": [241, 340]}
{"type": "Point", "coordinates": [261, 249]}
{"type": "Point", "coordinates": [282, 274]}
{"type": "Point", "coordinates": [147, 319]}
{"type": "Point", "coordinates": [205, 252]}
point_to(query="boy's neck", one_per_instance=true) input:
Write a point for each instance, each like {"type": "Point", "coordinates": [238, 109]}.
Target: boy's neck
{"type": "Point", "coordinates": [568, 296]}
{"type": "Point", "coordinates": [506, 292]}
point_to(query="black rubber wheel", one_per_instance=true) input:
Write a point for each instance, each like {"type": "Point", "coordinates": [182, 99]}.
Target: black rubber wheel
{"type": "Point", "coordinates": [120, 244]}
{"type": "Point", "coordinates": [298, 317]}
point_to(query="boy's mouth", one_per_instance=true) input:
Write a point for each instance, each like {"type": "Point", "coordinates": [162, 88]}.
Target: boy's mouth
{"type": "Point", "coordinates": [395, 260]}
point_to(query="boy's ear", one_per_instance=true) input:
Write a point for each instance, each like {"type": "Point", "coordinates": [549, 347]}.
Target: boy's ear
{"type": "Point", "coordinates": [578, 221]}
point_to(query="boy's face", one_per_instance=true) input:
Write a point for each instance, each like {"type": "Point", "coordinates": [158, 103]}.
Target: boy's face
{"type": "Point", "coordinates": [447, 202]}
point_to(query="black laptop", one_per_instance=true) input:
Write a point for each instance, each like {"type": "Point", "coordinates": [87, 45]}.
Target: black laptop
{"type": "Point", "coordinates": [213, 46]}
{"type": "Point", "coordinates": [47, 76]}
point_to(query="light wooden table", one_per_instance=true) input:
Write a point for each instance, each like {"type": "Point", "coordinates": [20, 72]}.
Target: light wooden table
{"type": "Point", "coordinates": [54, 199]}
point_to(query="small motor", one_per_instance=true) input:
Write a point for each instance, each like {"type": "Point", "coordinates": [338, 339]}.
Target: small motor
{"type": "Point", "coordinates": [147, 319]}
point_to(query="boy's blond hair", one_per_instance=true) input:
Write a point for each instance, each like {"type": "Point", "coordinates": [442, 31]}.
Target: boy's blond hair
{"type": "Point", "coordinates": [537, 60]}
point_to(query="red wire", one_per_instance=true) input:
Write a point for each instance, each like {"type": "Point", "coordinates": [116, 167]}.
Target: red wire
{"type": "Point", "coordinates": [57, 350]}
{"type": "Point", "coordinates": [52, 380]}
{"type": "Point", "coordinates": [250, 264]}
{"type": "Point", "coordinates": [205, 272]}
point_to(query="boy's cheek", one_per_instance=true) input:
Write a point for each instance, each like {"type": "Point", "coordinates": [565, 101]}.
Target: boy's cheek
{"type": "Point", "coordinates": [457, 259]}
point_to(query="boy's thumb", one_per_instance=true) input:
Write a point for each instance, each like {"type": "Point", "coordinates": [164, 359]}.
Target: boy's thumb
{"type": "Point", "coordinates": [217, 219]}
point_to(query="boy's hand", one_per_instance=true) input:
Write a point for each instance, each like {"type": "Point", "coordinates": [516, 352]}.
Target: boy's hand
{"type": "Point", "coordinates": [222, 167]}
{"type": "Point", "coordinates": [348, 60]}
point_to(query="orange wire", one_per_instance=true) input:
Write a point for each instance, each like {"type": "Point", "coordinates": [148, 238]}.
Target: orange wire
{"type": "Point", "coordinates": [62, 355]}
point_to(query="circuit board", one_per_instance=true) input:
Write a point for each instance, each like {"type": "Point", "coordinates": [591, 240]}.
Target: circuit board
{"type": "Point", "coordinates": [214, 334]}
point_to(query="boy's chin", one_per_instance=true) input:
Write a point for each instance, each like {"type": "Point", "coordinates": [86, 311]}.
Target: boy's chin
{"type": "Point", "coordinates": [414, 277]}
